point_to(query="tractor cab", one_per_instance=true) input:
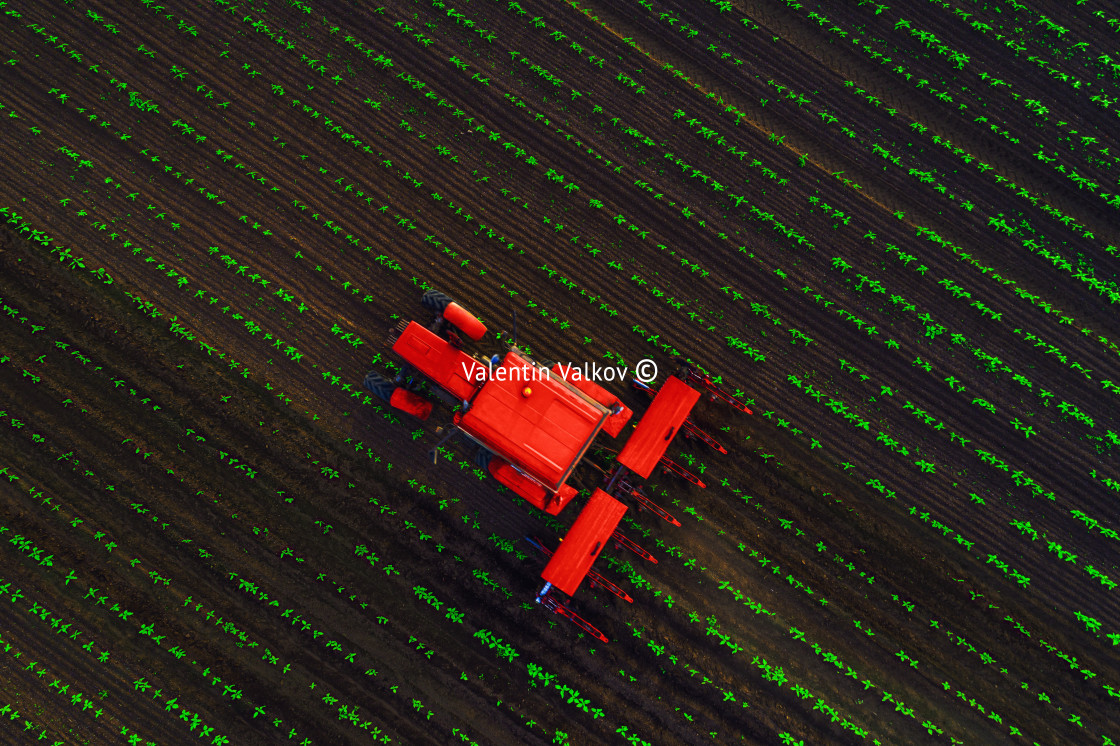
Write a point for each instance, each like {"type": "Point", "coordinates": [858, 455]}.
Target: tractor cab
{"type": "Point", "coordinates": [523, 414]}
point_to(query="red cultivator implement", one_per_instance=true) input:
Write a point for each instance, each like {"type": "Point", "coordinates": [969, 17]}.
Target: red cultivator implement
{"type": "Point", "coordinates": [690, 429]}
{"type": "Point", "coordinates": [534, 425]}
{"type": "Point", "coordinates": [593, 578]}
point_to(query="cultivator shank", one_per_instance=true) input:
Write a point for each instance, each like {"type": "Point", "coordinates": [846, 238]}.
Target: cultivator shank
{"type": "Point", "coordinates": [620, 540]}
{"type": "Point", "coordinates": [691, 431]}
{"type": "Point", "coordinates": [564, 610]}
{"type": "Point", "coordinates": [671, 466]}
{"type": "Point", "coordinates": [646, 504]}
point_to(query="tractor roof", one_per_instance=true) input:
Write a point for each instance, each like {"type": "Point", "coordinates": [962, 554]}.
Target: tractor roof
{"type": "Point", "coordinates": [536, 421]}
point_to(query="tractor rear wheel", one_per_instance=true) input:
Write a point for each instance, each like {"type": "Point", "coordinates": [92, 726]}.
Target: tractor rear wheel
{"type": "Point", "coordinates": [377, 384]}
{"type": "Point", "coordinates": [434, 300]}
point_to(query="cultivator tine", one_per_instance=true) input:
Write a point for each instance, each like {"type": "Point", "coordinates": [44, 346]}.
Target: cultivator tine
{"type": "Point", "coordinates": [620, 539]}
{"type": "Point", "coordinates": [653, 507]}
{"type": "Point", "coordinates": [729, 399]}
{"type": "Point", "coordinates": [714, 391]}
{"type": "Point", "coordinates": [669, 465]}
{"type": "Point", "coordinates": [565, 611]}
{"type": "Point", "coordinates": [598, 580]}
{"type": "Point", "coordinates": [691, 430]}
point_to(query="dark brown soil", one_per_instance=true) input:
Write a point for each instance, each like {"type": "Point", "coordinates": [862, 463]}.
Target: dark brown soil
{"type": "Point", "coordinates": [255, 552]}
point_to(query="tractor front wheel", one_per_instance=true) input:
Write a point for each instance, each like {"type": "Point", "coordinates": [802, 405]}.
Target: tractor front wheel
{"type": "Point", "coordinates": [435, 301]}
{"type": "Point", "coordinates": [464, 321]}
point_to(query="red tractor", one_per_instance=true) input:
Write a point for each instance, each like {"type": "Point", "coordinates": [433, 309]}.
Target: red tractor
{"type": "Point", "coordinates": [534, 424]}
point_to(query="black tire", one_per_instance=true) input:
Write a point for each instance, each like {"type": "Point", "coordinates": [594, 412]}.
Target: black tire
{"type": "Point", "coordinates": [434, 300]}
{"type": "Point", "coordinates": [377, 385]}
{"type": "Point", "coordinates": [482, 458]}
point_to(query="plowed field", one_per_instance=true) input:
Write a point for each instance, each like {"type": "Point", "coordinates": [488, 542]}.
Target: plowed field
{"type": "Point", "coordinates": [891, 231]}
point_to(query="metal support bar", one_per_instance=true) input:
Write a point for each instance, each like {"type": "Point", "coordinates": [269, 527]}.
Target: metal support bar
{"type": "Point", "coordinates": [434, 453]}
{"type": "Point", "coordinates": [619, 473]}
